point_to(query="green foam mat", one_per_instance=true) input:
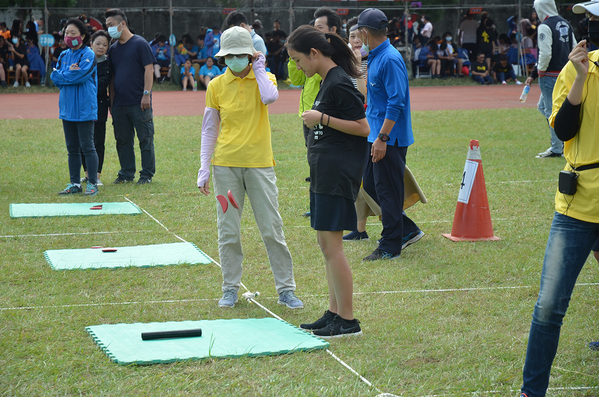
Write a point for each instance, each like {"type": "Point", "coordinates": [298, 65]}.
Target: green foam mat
{"type": "Point", "coordinates": [220, 339]}
{"type": "Point", "coordinates": [137, 256]}
{"type": "Point", "coordinates": [71, 209]}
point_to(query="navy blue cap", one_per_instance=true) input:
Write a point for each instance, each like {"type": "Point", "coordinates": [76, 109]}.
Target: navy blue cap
{"type": "Point", "coordinates": [372, 18]}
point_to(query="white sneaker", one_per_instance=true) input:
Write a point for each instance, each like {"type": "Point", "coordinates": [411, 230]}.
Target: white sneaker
{"type": "Point", "coordinates": [16, 84]}
{"type": "Point", "coordinates": [195, 89]}
{"type": "Point", "coordinates": [27, 84]}
{"type": "Point", "coordinates": [503, 82]}
{"type": "Point", "coordinates": [184, 89]}
{"type": "Point", "coordinates": [99, 183]}
{"type": "Point", "coordinates": [518, 82]}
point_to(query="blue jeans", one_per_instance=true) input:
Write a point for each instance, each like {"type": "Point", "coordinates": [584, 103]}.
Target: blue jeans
{"type": "Point", "coordinates": [79, 137]}
{"type": "Point", "coordinates": [482, 80]}
{"type": "Point", "coordinates": [545, 105]}
{"type": "Point", "coordinates": [568, 247]}
{"type": "Point", "coordinates": [126, 120]}
{"type": "Point", "coordinates": [503, 76]}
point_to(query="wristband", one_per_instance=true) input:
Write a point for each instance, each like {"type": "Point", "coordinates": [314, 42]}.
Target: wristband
{"type": "Point", "coordinates": [328, 120]}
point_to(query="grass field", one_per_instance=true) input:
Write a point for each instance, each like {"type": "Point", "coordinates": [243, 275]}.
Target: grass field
{"type": "Point", "coordinates": [444, 319]}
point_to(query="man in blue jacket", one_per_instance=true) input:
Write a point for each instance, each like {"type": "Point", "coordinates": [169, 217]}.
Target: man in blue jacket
{"type": "Point", "coordinates": [388, 114]}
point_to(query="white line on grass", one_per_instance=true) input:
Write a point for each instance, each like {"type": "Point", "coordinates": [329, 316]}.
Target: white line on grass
{"type": "Point", "coordinates": [261, 306]}
{"type": "Point", "coordinates": [414, 291]}
{"type": "Point", "coordinates": [73, 234]}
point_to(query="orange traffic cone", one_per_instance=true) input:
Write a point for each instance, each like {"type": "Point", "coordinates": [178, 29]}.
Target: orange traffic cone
{"type": "Point", "coordinates": [472, 219]}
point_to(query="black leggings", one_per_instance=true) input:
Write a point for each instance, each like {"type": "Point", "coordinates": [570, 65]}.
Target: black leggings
{"type": "Point", "coordinates": [99, 139]}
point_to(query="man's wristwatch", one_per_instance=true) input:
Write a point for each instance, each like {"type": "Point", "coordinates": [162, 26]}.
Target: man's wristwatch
{"type": "Point", "coordinates": [146, 92]}
{"type": "Point", "coordinates": [383, 137]}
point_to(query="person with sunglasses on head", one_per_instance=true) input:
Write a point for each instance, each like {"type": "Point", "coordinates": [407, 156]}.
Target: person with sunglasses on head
{"type": "Point", "coordinates": [236, 130]}
{"type": "Point", "coordinates": [575, 227]}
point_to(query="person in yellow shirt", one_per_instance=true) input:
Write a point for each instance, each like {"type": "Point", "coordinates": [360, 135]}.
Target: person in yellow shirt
{"type": "Point", "coordinates": [237, 102]}
{"type": "Point", "coordinates": [575, 227]}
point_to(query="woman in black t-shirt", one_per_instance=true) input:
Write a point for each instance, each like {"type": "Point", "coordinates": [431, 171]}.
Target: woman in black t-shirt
{"type": "Point", "coordinates": [337, 151]}
{"type": "Point", "coordinates": [19, 56]}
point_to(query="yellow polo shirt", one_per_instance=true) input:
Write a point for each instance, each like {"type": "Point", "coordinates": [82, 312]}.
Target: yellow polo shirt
{"type": "Point", "coordinates": [244, 138]}
{"type": "Point", "coordinates": [583, 149]}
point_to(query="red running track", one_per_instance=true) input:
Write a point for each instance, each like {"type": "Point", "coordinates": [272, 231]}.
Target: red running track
{"type": "Point", "coordinates": [171, 103]}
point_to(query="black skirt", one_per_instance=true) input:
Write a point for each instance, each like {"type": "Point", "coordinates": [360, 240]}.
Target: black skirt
{"type": "Point", "coordinates": [332, 213]}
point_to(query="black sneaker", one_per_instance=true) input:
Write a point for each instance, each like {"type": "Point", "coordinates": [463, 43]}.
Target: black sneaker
{"type": "Point", "coordinates": [380, 254]}
{"type": "Point", "coordinates": [143, 180]}
{"type": "Point", "coordinates": [411, 238]}
{"type": "Point", "coordinates": [339, 328]}
{"type": "Point", "coordinates": [121, 179]}
{"type": "Point", "coordinates": [306, 214]}
{"type": "Point", "coordinates": [322, 322]}
{"type": "Point", "coordinates": [356, 235]}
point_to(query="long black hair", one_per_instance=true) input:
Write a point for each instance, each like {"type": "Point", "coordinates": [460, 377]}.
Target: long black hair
{"type": "Point", "coordinates": [331, 45]}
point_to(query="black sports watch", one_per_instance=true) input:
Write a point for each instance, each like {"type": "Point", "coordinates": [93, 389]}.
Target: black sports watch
{"type": "Point", "coordinates": [383, 137]}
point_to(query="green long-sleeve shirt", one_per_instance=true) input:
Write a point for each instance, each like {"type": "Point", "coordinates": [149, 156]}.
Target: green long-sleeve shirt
{"type": "Point", "coordinates": [311, 86]}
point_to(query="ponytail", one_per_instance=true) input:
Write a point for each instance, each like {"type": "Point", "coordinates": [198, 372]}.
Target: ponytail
{"type": "Point", "coordinates": [331, 45]}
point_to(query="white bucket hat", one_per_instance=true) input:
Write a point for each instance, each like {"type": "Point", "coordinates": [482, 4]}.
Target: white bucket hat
{"type": "Point", "coordinates": [235, 41]}
{"type": "Point", "coordinates": [590, 6]}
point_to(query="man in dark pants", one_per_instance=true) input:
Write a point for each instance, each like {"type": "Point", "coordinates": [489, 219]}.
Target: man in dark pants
{"type": "Point", "coordinates": [388, 114]}
{"type": "Point", "coordinates": [132, 61]}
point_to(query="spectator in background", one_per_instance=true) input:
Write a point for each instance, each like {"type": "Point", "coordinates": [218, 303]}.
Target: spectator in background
{"type": "Point", "coordinates": [485, 39]}
{"type": "Point", "coordinates": [208, 72]}
{"type": "Point", "coordinates": [277, 28]}
{"type": "Point", "coordinates": [275, 47]}
{"type": "Point", "coordinates": [192, 51]}
{"type": "Point", "coordinates": [61, 47]}
{"type": "Point", "coordinates": [188, 75]}
{"type": "Point", "coordinates": [162, 55]}
{"type": "Point", "coordinates": [512, 26]}
{"type": "Point", "coordinates": [428, 58]}
{"type": "Point", "coordinates": [257, 25]}
{"type": "Point", "coordinates": [35, 60]}
{"type": "Point", "coordinates": [155, 39]}
{"type": "Point", "coordinates": [132, 62]}
{"type": "Point", "coordinates": [455, 53]}
{"type": "Point", "coordinates": [504, 72]}
{"type": "Point", "coordinates": [427, 29]}
{"type": "Point", "coordinates": [553, 56]}
{"type": "Point", "coordinates": [237, 18]}
{"type": "Point", "coordinates": [19, 57]}
{"type": "Point", "coordinates": [17, 28]}
{"type": "Point", "coordinates": [3, 61]}
{"type": "Point", "coordinates": [480, 70]}
{"type": "Point", "coordinates": [201, 49]}
{"type": "Point", "coordinates": [4, 32]}
{"type": "Point", "coordinates": [212, 40]}
{"type": "Point", "coordinates": [534, 19]}
{"type": "Point", "coordinates": [327, 20]}
{"type": "Point", "coordinates": [467, 35]}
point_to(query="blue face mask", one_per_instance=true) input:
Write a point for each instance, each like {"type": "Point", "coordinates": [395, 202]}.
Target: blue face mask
{"type": "Point", "coordinates": [365, 47]}
{"type": "Point", "coordinates": [236, 64]}
{"type": "Point", "coordinates": [113, 31]}
{"type": "Point", "coordinates": [15, 40]}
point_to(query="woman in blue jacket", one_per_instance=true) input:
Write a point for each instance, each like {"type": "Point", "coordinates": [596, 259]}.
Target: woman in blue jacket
{"type": "Point", "coordinates": [76, 76]}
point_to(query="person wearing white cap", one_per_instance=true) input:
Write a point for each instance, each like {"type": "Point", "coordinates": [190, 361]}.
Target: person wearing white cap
{"type": "Point", "coordinates": [575, 227]}
{"type": "Point", "coordinates": [237, 102]}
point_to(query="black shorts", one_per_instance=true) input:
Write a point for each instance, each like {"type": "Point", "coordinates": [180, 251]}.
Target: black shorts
{"type": "Point", "coordinates": [332, 213]}
{"type": "Point", "coordinates": [596, 246]}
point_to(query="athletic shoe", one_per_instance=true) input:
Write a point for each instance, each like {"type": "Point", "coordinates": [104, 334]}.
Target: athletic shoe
{"type": "Point", "coordinates": [594, 345]}
{"type": "Point", "coordinates": [289, 299]}
{"type": "Point", "coordinates": [121, 179]}
{"type": "Point", "coordinates": [99, 183]}
{"type": "Point", "coordinates": [91, 189]}
{"type": "Point", "coordinates": [504, 83]}
{"type": "Point", "coordinates": [356, 235]}
{"type": "Point", "coordinates": [27, 84]}
{"type": "Point", "coordinates": [143, 180]}
{"type": "Point", "coordinates": [548, 153]}
{"type": "Point", "coordinates": [380, 254]}
{"type": "Point", "coordinates": [306, 214]}
{"type": "Point", "coordinates": [523, 395]}
{"type": "Point", "coordinates": [339, 328]}
{"type": "Point", "coordinates": [322, 322]}
{"type": "Point", "coordinates": [84, 179]}
{"type": "Point", "coordinates": [184, 89]}
{"type": "Point", "coordinates": [411, 239]}
{"type": "Point", "coordinates": [518, 82]}
{"type": "Point", "coordinates": [16, 84]}
{"type": "Point", "coordinates": [71, 189]}
{"type": "Point", "coordinates": [229, 298]}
